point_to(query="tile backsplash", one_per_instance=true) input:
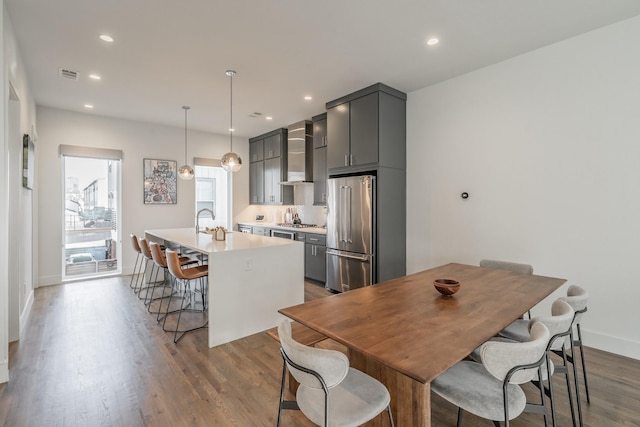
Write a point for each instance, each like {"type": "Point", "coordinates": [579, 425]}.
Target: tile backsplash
{"type": "Point", "coordinates": [303, 205]}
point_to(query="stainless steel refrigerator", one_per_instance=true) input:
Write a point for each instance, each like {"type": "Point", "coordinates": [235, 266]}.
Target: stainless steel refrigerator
{"type": "Point", "coordinates": [350, 232]}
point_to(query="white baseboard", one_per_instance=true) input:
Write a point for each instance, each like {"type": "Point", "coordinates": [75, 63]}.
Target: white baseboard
{"type": "Point", "coordinates": [611, 344]}
{"type": "Point", "coordinates": [4, 373]}
{"type": "Point", "coordinates": [26, 312]}
{"type": "Point", "coordinates": [49, 280]}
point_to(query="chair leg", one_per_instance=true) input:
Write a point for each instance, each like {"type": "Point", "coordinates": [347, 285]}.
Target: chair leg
{"type": "Point", "coordinates": [550, 382]}
{"type": "Point", "coordinates": [390, 415]}
{"type": "Point", "coordinates": [135, 267]}
{"type": "Point", "coordinates": [154, 283]}
{"type": "Point", "coordinates": [284, 372]}
{"type": "Point", "coordinates": [584, 368]}
{"type": "Point", "coordinates": [460, 414]}
{"type": "Point", "coordinates": [575, 381]}
{"type": "Point", "coordinates": [168, 279]}
{"type": "Point", "coordinates": [189, 293]}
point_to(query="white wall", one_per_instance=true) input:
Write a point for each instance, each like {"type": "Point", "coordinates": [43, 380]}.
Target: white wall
{"type": "Point", "coordinates": [4, 222]}
{"type": "Point", "coordinates": [19, 207]}
{"type": "Point", "coordinates": [138, 141]}
{"type": "Point", "coordinates": [547, 144]}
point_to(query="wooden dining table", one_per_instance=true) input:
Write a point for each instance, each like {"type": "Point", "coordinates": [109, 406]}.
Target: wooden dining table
{"type": "Point", "coordinates": [405, 333]}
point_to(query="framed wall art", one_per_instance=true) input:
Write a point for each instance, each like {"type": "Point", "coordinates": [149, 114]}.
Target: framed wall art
{"type": "Point", "coordinates": [160, 182]}
{"type": "Point", "coordinates": [28, 161]}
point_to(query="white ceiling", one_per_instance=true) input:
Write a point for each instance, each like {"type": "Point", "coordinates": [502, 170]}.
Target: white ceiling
{"type": "Point", "coordinates": [170, 53]}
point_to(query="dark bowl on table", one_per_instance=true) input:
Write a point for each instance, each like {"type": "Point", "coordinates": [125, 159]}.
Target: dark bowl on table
{"type": "Point", "coordinates": [446, 286]}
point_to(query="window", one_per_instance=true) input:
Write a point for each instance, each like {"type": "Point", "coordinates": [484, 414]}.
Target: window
{"type": "Point", "coordinates": [212, 192]}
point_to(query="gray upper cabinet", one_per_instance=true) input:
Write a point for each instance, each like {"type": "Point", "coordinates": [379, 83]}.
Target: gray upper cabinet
{"type": "Point", "coordinates": [268, 168]}
{"type": "Point", "coordinates": [320, 160]}
{"type": "Point", "coordinates": [256, 150]}
{"type": "Point", "coordinates": [256, 183]}
{"type": "Point", "coordinates": [319, 130]}
{"type": "Point", "coordinates": [272, 179]}
{"type": "Point", "coordinates": [367, 130]}
{"type": "Point", "coordinates": [273, 146]}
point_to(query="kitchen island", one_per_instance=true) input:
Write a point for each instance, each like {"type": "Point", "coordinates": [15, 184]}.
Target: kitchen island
{"type": "Point", "coordinates": [250, 278]}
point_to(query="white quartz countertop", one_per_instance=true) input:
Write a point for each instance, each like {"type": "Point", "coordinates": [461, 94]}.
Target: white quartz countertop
{"type": "Point", "coordinates": [316, 230]}
{"type": "Point", "coordinates": [205, 243]}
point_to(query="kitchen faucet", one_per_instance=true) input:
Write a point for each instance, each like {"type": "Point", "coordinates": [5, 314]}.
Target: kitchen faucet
{"type": "Point", "coordinates": [213, 216]}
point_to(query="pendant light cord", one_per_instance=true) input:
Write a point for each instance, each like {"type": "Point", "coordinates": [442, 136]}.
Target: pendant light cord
{"type": "Point", "coordinates": [231, 109]}
{"type": "Point", "coordinates": [185, 133]}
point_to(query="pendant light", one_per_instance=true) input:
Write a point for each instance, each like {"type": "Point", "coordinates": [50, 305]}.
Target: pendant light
{"type": "Point", "coordinates": [185, 172]}
{"type": "Point", "coordinates": [231, 162]}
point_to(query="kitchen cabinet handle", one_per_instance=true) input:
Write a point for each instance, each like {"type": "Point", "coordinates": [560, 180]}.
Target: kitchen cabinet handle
{"type": "Point", "coordinates": [350, 159]}
{"type": "Point", "coordinates": [346, 160]}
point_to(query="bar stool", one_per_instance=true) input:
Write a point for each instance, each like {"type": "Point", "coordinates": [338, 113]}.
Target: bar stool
{"type": "Point", "coordinates": [136, 248]}
{"type": "Point", "coordinates": [148, 258]}
{"type": "Point", "coordinates": [183, 278]}
{"type": "Point", "coordinates": [160, 261]}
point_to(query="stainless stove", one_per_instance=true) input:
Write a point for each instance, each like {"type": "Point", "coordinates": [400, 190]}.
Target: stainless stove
{"type": "Point", "coordinates": [284, 224]}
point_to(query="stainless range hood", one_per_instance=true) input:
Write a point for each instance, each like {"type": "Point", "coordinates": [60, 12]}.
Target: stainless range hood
{"type": "Point", "coordinates": [299, 153]}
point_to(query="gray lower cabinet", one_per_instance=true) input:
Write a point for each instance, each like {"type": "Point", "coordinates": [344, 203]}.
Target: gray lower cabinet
{"type": "Point", "coordinates": [261, 231]}
{"type": "Point", "coordinates": [245, 228]}
{"type": "Point", "coordinates": [315, 257]}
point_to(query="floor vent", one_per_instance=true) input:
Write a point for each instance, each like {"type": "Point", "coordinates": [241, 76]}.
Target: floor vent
{"type": "Point", "coordinates": [69, 74]}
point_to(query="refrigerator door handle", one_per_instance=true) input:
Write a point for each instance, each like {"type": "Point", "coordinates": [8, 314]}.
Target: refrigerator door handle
{"type": "Point", "coordinates": [350, 256]}
{"type": "Point", "coordinates": [349, 220]}
{"type": "Point", "coordinates": [342, 233]}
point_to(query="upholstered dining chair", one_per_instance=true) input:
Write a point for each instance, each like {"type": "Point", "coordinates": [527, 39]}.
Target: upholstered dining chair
{"type": "Point", "coordinates": [491, 389]}
{"type": "Point", "coordinates": [577, 298]}
{"type": "Point", "coordinates": [559, 325]}
{"type": "Point", "coordinates": [183, 277]}
{"type": "Point", "coordinates": [331, 393]}
{"type": "Point", "coordinates": [514, 267]}
{"type": "Point", "coordinates": [505, 265]}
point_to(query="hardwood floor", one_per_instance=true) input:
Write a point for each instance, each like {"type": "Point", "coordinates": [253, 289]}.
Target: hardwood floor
{"type": "Point", "coordinates": [91, 355]}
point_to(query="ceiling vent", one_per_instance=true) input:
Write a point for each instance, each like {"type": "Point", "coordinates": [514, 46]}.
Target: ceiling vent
{"type": "Point", "coordinates": [69, 74]}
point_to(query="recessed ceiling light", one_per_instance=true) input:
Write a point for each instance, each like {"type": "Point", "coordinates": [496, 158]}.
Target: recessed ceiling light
{"type": "Point", "coordinates": [269, 118]}
{"type": "Point", "coordinates": [106, 38]}
{"type": "Point", "coordinates": [432, 41]}
{"type": "Point", "coordinates": [89, 106]}
{"type": "Point", "coordinates": [231, 129]}
{"type": "Point", "coordinates": [308, 98]}
{"type": "Point", "coordinates": [94, 77]}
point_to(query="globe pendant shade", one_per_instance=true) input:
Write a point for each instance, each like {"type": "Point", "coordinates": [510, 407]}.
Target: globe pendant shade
{"type": "Point", "coordinates": [231, 162]}
{"type": "Point", "coordinates": [185, 172]}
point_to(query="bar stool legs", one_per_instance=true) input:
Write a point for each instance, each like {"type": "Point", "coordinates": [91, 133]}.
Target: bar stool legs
{"type": "Point", "coordinates": [183, 280]}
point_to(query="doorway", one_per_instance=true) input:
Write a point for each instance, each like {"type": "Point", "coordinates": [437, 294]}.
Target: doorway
{"type": "Point", "coordinates": [91, 228]}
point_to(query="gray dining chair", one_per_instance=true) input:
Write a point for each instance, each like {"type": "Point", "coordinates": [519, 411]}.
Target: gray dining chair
{"type": "Point", "coordinates": [330, 391]}
{"type": "Point", "coordinates": [491, 389]}
{"type": "Point", "coordinates": [559, 325]}
{"type": "Point", "coordinates": [514, 267]}
{"type": "Point", "coordinates": [577, 298]}
{"type": "Point", "coordinates": [505, 265]}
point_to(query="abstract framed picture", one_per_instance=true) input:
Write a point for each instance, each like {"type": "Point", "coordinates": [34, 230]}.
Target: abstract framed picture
{"type": "Point", "coordinates": [28, 161]}
{"type": "Point", "coordinates": [160, 182]}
